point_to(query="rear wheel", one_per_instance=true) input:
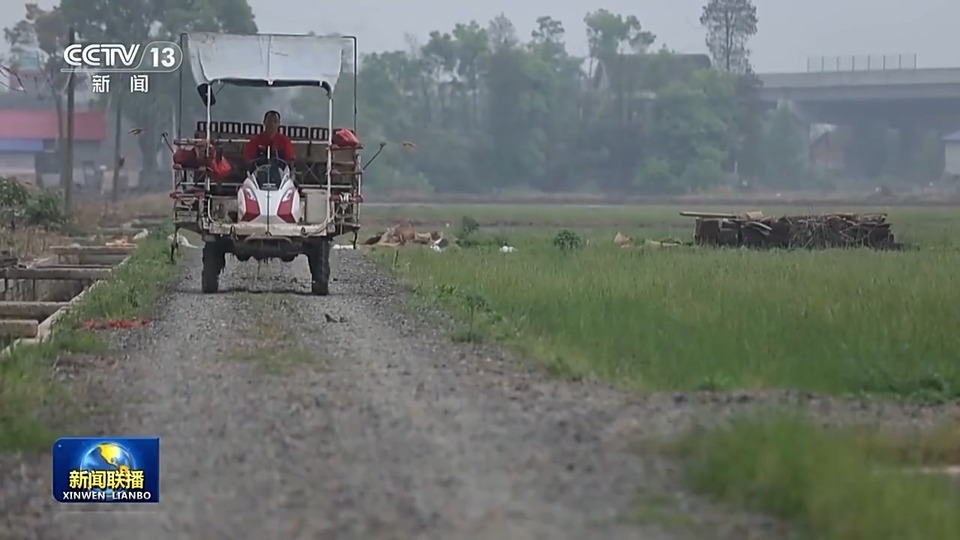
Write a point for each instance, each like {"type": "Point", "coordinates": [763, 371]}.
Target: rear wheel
{"type": "Point", "coordinates": [319, 260]}
{"type": "Point", "coordinates": [214, 260]}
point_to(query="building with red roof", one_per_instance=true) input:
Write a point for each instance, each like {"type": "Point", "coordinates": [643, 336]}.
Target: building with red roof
{"type": "Point", "coordinates": [29, 133]}
{"type": "Point", "coordinates": [30, 127]}
{"type": "Point", "coordinates": [43, 125]}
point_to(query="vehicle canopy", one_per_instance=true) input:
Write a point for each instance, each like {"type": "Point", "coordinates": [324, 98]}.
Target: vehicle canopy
{"type": "Point", "coordinates": [270, 60]}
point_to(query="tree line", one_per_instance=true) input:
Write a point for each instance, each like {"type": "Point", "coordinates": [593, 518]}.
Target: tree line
{"type": "Point", "coordinates": [490, 110]}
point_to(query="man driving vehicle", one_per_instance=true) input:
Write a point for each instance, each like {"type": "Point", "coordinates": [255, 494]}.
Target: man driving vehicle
{"type": "Point", "coordinates": [279, 144]}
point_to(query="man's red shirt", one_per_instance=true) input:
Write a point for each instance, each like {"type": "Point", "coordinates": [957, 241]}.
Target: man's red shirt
{"type": "Point", "coordinates": [279, 143]}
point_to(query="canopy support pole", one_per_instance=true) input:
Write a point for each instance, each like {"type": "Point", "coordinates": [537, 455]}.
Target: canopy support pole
{"type": "Point", "coordinates": [329, 92]}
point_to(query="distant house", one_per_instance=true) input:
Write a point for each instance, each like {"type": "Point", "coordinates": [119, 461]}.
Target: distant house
{"type": "Point", "coordinates": [825, 150]}
{"type": "Point", "coordinates": [28, 140]}
{"type": "Point", "coordinates": [951, 155]}
{"type": "Point", "coordinates": [29, 127]}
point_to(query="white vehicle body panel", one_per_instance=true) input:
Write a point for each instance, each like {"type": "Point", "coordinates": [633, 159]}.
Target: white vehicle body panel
{"type": "Point", "coordinates": [269, 206]}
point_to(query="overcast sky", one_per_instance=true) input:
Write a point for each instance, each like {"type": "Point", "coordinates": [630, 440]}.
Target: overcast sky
{"type": "Point", "coordinates": [790, 32]}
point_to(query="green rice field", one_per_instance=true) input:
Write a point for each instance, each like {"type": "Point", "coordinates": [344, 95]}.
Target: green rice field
{"type": "Point", "coordinates": [670, 318]}
{"type": "Point", "coordinates": [860, 323]}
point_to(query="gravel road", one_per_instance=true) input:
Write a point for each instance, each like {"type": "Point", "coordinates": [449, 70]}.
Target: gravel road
{"type": "Point", "coordinates": [284, 415]}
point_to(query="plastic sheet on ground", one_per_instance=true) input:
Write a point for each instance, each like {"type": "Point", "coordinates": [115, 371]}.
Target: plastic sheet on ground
{"type": "Point", "coordinates": [182, 240]}
{"type": "Point", "coordinates": [622, 240]}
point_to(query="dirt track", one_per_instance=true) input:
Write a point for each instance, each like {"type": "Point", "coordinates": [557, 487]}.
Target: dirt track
{"type": "Point", "coordinates": [373, 428]}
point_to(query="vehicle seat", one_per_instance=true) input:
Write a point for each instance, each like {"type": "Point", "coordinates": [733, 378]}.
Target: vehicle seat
{"type": "Point", "coordinates": [269, 177]}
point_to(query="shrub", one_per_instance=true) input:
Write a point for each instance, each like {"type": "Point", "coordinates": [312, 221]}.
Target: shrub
{"type": "Point", "coordinates": [21, 206]}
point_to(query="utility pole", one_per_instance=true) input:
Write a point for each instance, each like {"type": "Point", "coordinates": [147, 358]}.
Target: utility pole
{"type": "Point", "coordinates": [115, 194]}
{"type": "Point", "coordinates": [68, 158]}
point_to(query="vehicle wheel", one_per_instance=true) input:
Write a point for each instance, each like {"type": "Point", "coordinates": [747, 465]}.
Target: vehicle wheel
{"type": "Point", "coordinates": [214, 259]}
{"type": "Point", "coordinates": [319, 261]}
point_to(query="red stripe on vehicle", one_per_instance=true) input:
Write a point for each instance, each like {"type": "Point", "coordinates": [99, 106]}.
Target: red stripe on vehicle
{"type": "Point", "coordinates": [285, 208]}
{"type": "Point", "coordinates": [251, 208]}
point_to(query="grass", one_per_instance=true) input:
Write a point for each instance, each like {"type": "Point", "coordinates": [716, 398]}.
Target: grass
{"type": "Point", "coordinates": [842, 322]}
{"type": "Point", "coordinates": [27, 242]}
{"type": "Point", "coordinates": [827, 482]}
{"type": "Point", "coordinates": [846, 322]}
{"type": "Point", "coordinates": [28, 388]}
{"type": "Point", "coordinates": [270, 345]}
{"type": "Point", "coordinates": [663, 510]}
{"type": "Point", "coordinates": [911, 447]}
{"type": "Point", "coordinates": [935, 225]}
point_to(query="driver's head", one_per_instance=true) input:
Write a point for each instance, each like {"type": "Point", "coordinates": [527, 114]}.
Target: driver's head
{"type": "Point", "coordinates": [271, 122]}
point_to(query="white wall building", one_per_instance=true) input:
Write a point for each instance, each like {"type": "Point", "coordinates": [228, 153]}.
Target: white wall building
{"type": "Point", "coordinates": [951, 155]}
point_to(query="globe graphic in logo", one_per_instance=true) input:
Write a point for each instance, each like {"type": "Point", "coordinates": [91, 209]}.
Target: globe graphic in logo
{"type": "Point", "coordinates": [107, 457]}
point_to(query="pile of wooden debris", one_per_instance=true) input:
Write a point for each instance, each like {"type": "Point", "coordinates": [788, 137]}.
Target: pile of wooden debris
{"type": "Point", "coordinates": [8, 258]}
{"type": "Point", "coordinates": [753, 229]}
{"type": "Point", "coordinates": [405, 233]}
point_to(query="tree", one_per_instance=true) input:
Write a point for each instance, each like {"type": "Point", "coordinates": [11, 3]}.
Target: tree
{"type": "Point", "coordinates": [691, 135]}
{"type": "Point", "coordinates": [561, 90]}
{"type": "Point", "coordinates": [617, 43]}
{"type": "Point", "coordinates": [784, 151]}
{"type": "Point", "coordinates": [105, 21]}
{"type": "Point", "coordinates": [609, 34]}
{"type": "Point", "coordinates": [491, 111]}
{"type": "Point", "coordinates": [746, 153]}
{"type": "Point", "coordinates": [869, 148]}
{"type": "Point", "coordinates": [547, 39]}
{"type": "Point", "coordinates": [142, 21]}
{"type": "Point", "coordinates": [43, 31]}
{"type": "Point", "coordinates": [473, 47]}
{"type": "Point", "coordinates": [511, 134]}
{"type": "Point", "coordinates": [730, 24]}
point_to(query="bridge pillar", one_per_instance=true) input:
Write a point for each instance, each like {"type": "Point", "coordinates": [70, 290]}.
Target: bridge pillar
{"type": "Point", "coordinates": [909, 141]}
{"type": "Point", "coordinates": [802, 121]}
{"type": "Point", "coordinates": [920, 153]}
{"type": "Point", "coordinates": [869, 148]}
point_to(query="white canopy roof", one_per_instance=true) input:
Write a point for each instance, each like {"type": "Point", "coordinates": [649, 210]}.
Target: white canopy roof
{"type": "Point", "coordinates": [270, 59]}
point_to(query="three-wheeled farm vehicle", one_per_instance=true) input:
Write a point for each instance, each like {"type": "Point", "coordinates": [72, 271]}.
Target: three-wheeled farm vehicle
{"type": "Point", "coordinates": [269, 208]}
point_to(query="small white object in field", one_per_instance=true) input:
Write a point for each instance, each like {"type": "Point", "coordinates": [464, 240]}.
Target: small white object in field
{"type": "Point", "coordinates": [343, 246]}
{"type": "Point", "coordinates": [436, 248]}
{"type": "Point", "coordinates": [182, 240]}
{"type": "Point", "coordinates": [507, 249]}
{"type": "Point", "coordinates": [141, 235]}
